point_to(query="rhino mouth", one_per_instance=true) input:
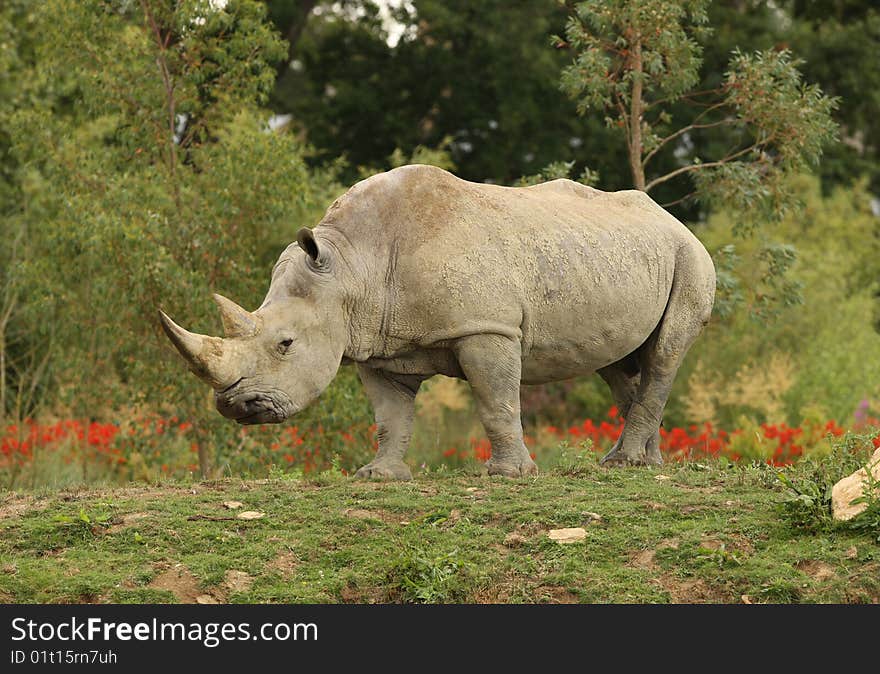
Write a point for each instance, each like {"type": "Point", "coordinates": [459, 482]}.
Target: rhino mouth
{"type": "Point", "coordinates": [266, 416]}
{"type": "Point", "coordinates": [231, 386]}
{"type": "Point", "coordinates": [249, 408]}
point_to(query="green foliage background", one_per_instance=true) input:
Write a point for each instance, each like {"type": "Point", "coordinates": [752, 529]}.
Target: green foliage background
{"type": "Point", "coordinates": [138, 170]}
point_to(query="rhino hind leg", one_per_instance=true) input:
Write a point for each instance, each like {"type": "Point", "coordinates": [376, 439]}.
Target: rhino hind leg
{"type": "Point", "coordinates": [687, 312]}
{"type": "Point", "coordinates": [393, 399]}
{"type": "Point", "coordinates": [623, 378]}
{"type": "Point", "coordinates": [492, 365]}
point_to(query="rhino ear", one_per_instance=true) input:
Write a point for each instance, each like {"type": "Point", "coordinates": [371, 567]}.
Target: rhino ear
{"type": "Point", "coordinates": [307, 241]}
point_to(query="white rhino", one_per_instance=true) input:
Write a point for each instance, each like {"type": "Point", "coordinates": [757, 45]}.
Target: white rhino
{"type": "Point", "coordinates": [415, 272]}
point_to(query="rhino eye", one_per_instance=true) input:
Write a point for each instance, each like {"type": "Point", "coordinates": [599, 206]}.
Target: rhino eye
{"type": "Point", "coordinates": [284, 345]}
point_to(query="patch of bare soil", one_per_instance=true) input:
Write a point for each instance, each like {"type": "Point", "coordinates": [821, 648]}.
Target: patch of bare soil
{"type": "Point", "coordinates": [237, 581]}
{"type": "Point", "coordinates": [184, 586]}
{"type": "Point", "coordinates": [374, 485]}
{"type": "Point", "coordinates": [351, 594]}
{"type": "Point", "coordinates": [363, 514]}
{"type": "Point", "coordinates": [14, 506]}
{"type": "Point", "coordinates": [140, 492]}
{"type": "Point", "coordinates": [643, 559]}
{"type": "Point", "coordinates": [691, 591]}
{"type": "Point", "coordinates": [689, 509]}
{"type": "Point", "coordinates": [553, 594]}
{"type": "Point", "coordinates": [377, 515]}
{"type": "Point", "coordinates": [863, 595]}
{"type": "Point", "coordinates": [818, 571]}
{"type": "Point", "coordinates": [125, 521]}
{"type": "Point", "coordinates": [736, 543]}
{"type": "Point", "coordinates": [286, 563]}
{"type": "Point", "coordinates": [511, 585]}
{"type": "Point", "coordinates": [504, 587]}
{"type": "Point", "coordinates": [527, 529]}
{"type": "Point", "coordinates": [681, 591]}
{"type": "Point", "coordinates": [714, 489]}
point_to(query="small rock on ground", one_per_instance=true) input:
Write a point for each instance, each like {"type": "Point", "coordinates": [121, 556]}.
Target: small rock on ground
{"type": "Point", "coordinates": [851, 488]}
{"type": "Point", "coordinates": [568, 535]}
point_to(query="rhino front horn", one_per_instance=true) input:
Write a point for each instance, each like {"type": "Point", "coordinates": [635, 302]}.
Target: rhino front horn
{"type": "Point", "coordinates": [205, 355]}
{"type": "Point", "coordinates": [237, 322]}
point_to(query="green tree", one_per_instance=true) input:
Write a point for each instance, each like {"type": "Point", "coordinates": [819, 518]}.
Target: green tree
{"type": "Point", "coordinates": [144, 174]}
{"type": "Point", "coordinates": [839, 41]}
{"type": "Point", "coordinates": [636, 58]}
{"type": "Point", "coordinates": [25, 342]}
{"type": "Point", "coordinates": [477, 73]}
{"type": "Point", "coordinates": [639, 63]}
{"type": "Point", "coordinates": [829, 348]}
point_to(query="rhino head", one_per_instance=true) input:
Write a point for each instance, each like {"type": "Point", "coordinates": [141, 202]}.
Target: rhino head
{"type": "Point", "coordinates": [274, 361]}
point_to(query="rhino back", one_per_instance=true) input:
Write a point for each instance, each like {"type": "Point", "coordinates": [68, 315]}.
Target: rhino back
{"type": "Point", "coordinates": [581, 276]}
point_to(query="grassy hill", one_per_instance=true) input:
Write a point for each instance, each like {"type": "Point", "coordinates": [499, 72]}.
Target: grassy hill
{"type": "Point", "coordinates": [687, 533]}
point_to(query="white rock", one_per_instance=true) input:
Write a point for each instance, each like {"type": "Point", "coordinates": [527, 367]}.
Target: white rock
{"type": "Point", "coordinates": [571, 535]}
{"type": "Point", "coordinates": [852, 487]}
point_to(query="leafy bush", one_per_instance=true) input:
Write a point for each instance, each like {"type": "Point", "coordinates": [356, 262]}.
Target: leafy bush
{"type": "Point", "coordinates": [429, 577]}
{"type": "Point", "coordinates": [807, 487]}
{"type": "Point", "coordinates": [131, 198]}
{"type": "Point", "coordinates": [820, 357]}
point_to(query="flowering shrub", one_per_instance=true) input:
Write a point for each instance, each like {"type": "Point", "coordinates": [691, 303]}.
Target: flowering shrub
{"type": "Point", "coordinates": [152, 447]}
{"type": "Point", "coordinates": [148, 448]}
{"type": "Point", "coordinates": [775, 444]}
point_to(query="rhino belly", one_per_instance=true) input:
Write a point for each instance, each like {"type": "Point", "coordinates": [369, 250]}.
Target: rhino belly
{"type": "Point", "coordinates": [573, 339]}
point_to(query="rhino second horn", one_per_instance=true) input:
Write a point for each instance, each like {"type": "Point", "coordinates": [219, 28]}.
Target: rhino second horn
{"type": "Point", "coordinates": [237, 322]}
{"type": "Point", "coordinates": [204, 355]}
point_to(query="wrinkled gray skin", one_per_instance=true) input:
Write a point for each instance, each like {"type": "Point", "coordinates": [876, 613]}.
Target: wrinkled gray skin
{"type": "Point", "coordinates": [415, 272]}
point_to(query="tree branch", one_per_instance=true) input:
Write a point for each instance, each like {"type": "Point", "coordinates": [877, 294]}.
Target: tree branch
{"type": "Point", "coordinates": [688, 96]}
{"type": "Point", "coordinates": [621, 110]}
{"type": "Point", "coordinates": [687, 196]}
{"type": "Point", "coordinates": [682, 131]}
{"type": "Point", "coordinates": [696, 167]}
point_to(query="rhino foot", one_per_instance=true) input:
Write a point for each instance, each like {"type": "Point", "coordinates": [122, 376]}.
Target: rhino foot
{"type": "Point", "coordinates": [616, 458]}
{"type": "Point", "coordinates": [512, 468]}
{"type": "Point", "coordinates": [384, 470]}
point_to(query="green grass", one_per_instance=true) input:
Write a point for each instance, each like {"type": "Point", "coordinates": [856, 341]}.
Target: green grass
{"type": "Point", "coordinates": [686, 533]}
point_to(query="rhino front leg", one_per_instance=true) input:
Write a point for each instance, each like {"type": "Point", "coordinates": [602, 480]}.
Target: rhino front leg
{"type": "Point", "coordinates": [492, 365]}
{"type": "Point", "coordinates": [393, 399]}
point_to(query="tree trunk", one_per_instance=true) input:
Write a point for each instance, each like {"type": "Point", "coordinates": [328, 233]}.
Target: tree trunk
{"type": "Point", "coordinates": [204, 461]}
{"type": "Point", "coordinates": [294, 30]}
{"type": "Point", "coordinates": [204, 445]}
{"type": "Point", "coordinates": [635, 118]}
